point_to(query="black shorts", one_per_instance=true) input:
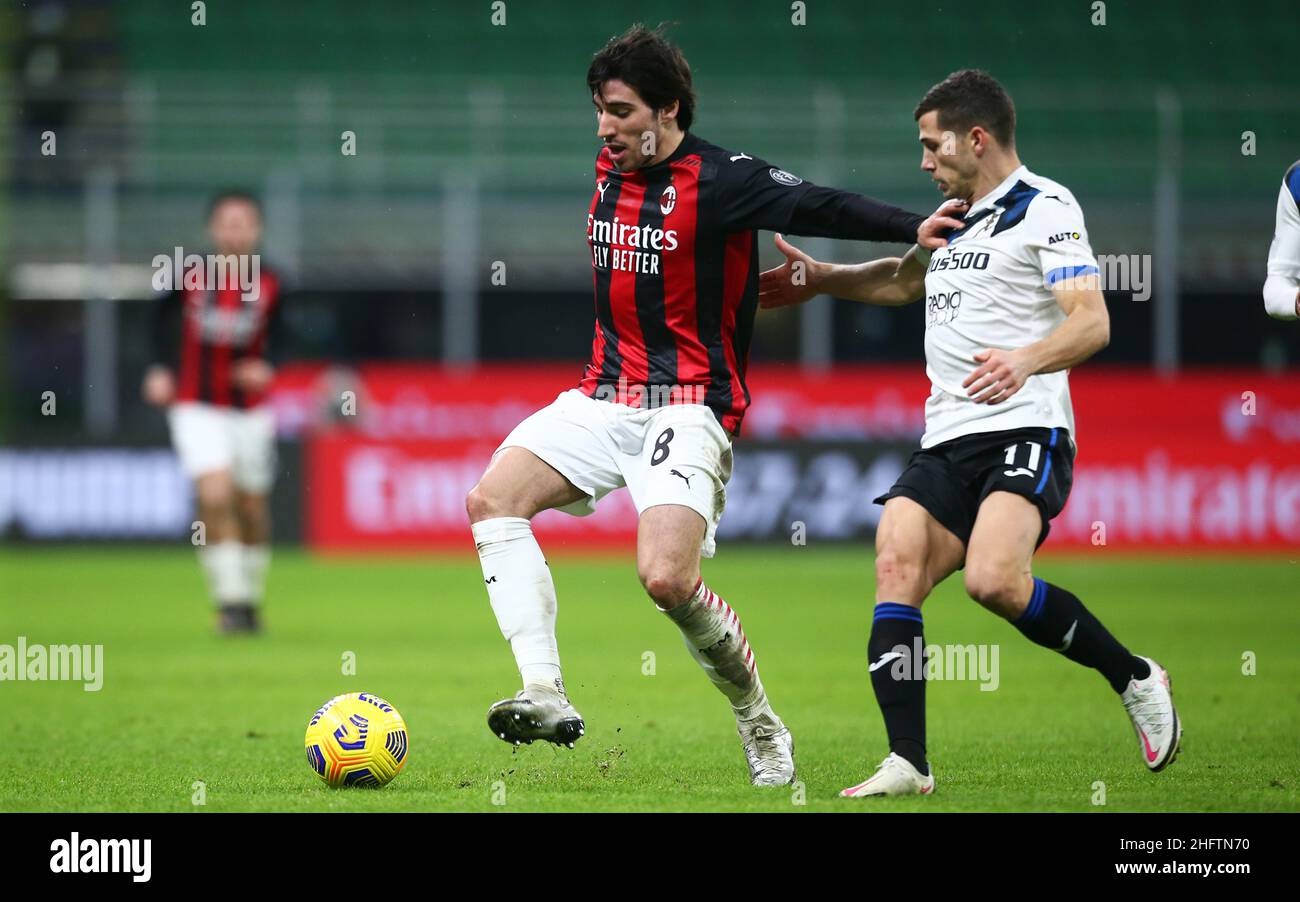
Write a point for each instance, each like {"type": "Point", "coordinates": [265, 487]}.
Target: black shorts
{"type": "Point", "coordinates": [952, 479]}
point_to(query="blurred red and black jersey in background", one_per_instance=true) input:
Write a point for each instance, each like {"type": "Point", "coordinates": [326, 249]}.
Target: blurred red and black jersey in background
{"type": "Point", "coordinates": [674, 253]}
{"type": "Point", "coordinates": [201, 333]}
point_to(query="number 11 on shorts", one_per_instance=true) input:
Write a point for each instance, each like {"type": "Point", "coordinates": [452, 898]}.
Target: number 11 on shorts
{"type": "Point", "coordinates": [1035, 452]}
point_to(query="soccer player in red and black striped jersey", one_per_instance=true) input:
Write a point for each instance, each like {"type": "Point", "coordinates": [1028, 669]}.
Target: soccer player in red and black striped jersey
{"type": "Point", "coordinates": [672, 232]}
{"type": "Point", "coordinates": [212, 369]}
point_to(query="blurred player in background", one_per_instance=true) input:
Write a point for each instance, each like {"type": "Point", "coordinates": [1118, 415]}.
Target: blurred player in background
{"type": "Point", "coordinates": [1282, 287]}
{"type": "Point", "coordinates": [212, 368]}
{"type": "Point", "coordinates": [1011, 304]}
{"type": "Point", "coordinates": [671, 229]}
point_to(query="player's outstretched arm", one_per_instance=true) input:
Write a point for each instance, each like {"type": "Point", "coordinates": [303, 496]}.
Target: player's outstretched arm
{"type": "Point", "coordinates": [830, 213]}
{"type": "Point", "coordinates": [752, 194]}
{"type": "Point", "coordinates": [1086, 330]}
{"type": "Point", "coordinates": [889, 281]}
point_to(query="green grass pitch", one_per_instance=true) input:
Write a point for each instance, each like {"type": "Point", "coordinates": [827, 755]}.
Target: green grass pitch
{"type": "Point", "coordinates": [180, 704]}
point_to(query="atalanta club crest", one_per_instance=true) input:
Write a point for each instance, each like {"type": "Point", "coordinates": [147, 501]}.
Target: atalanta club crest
{"type": "Point", "coordinates": [668, 200]}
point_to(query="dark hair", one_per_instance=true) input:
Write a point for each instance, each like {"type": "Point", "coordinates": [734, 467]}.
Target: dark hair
{"type": "Point", "coordinates": [651, 65]}
{"type": "Point", "coordinates": [238, 194]}
{"type": "Point", "coordinates": [969, 98]}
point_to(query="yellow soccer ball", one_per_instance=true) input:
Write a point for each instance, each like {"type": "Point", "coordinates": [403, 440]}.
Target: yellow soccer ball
{"type": "Point", "coordinates": [357, 739]}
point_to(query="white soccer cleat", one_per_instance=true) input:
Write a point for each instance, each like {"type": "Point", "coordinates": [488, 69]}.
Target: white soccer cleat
{"type": "Point", "coordinates": [769, 749]}
{"type": "Point", "coordinates": [1150, 705]}
{"type": "Point", "coordinates": [536, 712]}
{"type": "Point", "coordinates": [895, 777]}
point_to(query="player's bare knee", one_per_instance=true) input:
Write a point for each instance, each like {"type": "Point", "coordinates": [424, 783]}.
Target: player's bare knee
{"type": "Point", "coordinates": [476, 504]}
{"type": "Point", "coordinates": [993, 586]}
{"type": "Point", "coordinates": [215, 499]}
{"type": "Point", "coordinates": [900, 577]}
{"type": "Point", "coordinates": [252, 508]}
{"type": "Point", "coordinates": [481, 504]}
{"type": "Point", "coordinates": [666, 586]}
{"type": "Point", "coordinates": [486, 500]}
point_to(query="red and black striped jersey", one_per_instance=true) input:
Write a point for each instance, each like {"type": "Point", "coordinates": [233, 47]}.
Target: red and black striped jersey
{"type": "Point", "coordinates": [201, 333]}
{"type": "Point", "coordinates": [674, 254]}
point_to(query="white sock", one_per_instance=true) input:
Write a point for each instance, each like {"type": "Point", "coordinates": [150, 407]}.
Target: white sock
{"type": "Point", "coordinates": [224, 565]}
{"type": "Point", "coordinates": [716, 640]}
{"type": "Point", "coordinates": [256, 560]}
{"type": "Point", "coordinates": [522, 594]}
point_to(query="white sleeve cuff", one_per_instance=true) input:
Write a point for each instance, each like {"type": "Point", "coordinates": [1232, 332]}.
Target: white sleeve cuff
{"type": "Point", "coordinates": [1280, 297]}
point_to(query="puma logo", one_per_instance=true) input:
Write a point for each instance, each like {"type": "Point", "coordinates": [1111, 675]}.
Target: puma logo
{"type": "Point", "coordinates": [741, 156]}
{"type": "Point", "coordinates": [686, 479]}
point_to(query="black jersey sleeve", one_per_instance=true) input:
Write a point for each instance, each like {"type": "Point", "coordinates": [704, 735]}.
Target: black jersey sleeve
{"type": "Point", "coordinates": [753, 194]}
{"type": "Point", "coordinates": [829, 213]}
{"type": "Point", "coordinates": [165, 329]}
{"type": "Point", "coordinates": [277, 337]}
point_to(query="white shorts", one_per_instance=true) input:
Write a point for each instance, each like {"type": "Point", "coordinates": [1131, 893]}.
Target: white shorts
{"type": "Point", "coordinates": [678, 454]}
{"type": "Point", "coordinates": [209, 437]}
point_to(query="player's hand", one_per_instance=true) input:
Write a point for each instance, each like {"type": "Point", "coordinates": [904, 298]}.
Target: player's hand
{"type": "Point", "coordinates": [159, 388]}
{"type": "Point", "coordinates": [931, 232]}
{"type": "Point", "coordinates": [793, 283]}
{"type": "Point", "coordinates": [999, 376]}
{"type": "Point", "coordinates": [252, 374]}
